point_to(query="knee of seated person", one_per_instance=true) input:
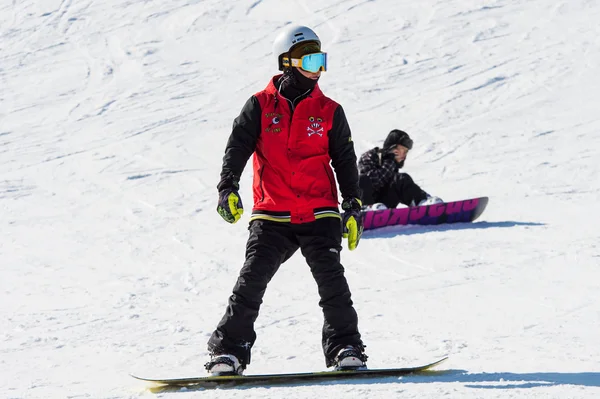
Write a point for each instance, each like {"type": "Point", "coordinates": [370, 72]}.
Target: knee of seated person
{"type": "Point", "coordinates": [404, 178]}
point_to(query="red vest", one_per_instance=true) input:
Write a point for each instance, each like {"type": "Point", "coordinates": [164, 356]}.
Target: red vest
{"type": "Point", "coordinates": [291, 160]}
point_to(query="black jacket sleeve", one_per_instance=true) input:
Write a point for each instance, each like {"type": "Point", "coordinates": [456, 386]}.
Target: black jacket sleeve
{"type": "Point", "coordinates": [241, 144]}
{"type": "Point", "coordinates": [343, 157]}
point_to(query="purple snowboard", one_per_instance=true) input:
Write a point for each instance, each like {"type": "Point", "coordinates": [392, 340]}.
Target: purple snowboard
{"type": "Point", "coordinates": [448, 212]}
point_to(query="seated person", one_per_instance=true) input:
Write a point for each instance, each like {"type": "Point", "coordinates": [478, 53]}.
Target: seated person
{"type": "Point", "coordinates": [382, 184]}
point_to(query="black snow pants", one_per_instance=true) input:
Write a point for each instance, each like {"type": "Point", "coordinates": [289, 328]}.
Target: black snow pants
{"type": "Point", "coordinates": [401, 190]}
{"type": "Point", "coordinates": [269, 245]}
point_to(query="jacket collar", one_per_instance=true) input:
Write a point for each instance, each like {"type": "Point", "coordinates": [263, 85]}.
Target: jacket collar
{"type": "Point", "coordinates": [271, 89]}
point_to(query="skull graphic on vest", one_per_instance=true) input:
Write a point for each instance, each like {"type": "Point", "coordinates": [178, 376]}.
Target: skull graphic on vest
{"type": "Point", "coordinates": [314, 126]}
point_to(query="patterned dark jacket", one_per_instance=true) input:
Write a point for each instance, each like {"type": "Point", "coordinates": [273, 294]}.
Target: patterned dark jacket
{"type": "Point", "coordinates": [381, 181]}
{"type": "Point", "coordinates": [379, 169]}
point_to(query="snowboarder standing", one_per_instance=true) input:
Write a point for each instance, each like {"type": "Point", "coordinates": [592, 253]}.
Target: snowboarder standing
{"type": "Point", "coordinates": [382, 185]}
{"type": "Point", "coordinates": [294, 132]}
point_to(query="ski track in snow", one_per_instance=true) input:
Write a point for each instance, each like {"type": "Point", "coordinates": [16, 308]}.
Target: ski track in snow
{"type": "Point", "coordinates": [113, 120]}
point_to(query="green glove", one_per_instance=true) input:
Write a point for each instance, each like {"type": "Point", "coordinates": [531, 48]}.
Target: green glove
{"type": "Point", "coordinates": [230, 205]}
{"type": "Point", "coordinates": [352, 223]}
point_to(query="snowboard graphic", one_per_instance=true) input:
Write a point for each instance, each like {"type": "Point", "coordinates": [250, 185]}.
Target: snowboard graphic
{"type": "Point", "coordinates": [165, 385]}
{"type": "Point", "coordinates": [448, 212]}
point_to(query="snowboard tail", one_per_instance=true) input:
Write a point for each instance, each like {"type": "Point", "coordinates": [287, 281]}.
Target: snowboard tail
{"type": "Point", "coordinates": [464, 211]}
{"type": "Point", "coordinates": [163, 385]}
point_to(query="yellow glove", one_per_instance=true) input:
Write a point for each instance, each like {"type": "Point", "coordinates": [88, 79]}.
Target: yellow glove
{"type": "Point", "coordinates": [352, 224]}
{"type": "Point", "coordinates": [230, 206]}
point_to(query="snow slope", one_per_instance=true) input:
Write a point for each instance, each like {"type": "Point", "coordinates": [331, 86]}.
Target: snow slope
{"type": "Point", "coordinates": [113, 120]}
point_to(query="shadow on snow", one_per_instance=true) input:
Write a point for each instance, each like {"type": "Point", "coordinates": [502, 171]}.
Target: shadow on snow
{"type": "Point", "coordinates": [502, 380]}
{"type": "Point", "coordinates": [393, 231]}
{"type": "Point", "coordinates": [511, 380]}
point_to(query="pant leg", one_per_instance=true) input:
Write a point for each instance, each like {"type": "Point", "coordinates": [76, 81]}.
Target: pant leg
{"type": "Point", "coordinates": [402, 190]}
{"type": "Point", "coordinates": [366, 188]}
{"type": "Point", "coordinates": [269, 245]}
{"type": "Point", "coordinates": [320, 243]}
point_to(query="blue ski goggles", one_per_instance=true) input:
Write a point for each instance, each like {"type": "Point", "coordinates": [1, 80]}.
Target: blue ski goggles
{"type": "Point", "coordinates": [310, 62]}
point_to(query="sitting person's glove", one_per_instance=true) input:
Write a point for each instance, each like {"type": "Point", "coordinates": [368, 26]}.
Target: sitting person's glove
{"type": "Point", "coordinates": [387, 155]}
{"type": "Point", "coordinates": [230, 205]}
{"type": "Point", "coordinates": [430, 200]}
{"type": "Point", "coordinates": [352, 223]}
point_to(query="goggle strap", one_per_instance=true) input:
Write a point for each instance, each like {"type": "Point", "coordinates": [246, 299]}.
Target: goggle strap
{"type": "Point", "coordinates": [295, 62]}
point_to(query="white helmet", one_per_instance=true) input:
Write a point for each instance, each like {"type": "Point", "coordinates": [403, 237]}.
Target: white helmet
{"type": "Point", "coordinates": [290, 36]}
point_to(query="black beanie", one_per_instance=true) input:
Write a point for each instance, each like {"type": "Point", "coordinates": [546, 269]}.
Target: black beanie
{"type": "Point", "coordinates": [398, 137]}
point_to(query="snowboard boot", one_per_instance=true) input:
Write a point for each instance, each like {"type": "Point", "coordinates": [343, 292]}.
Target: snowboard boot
{"type": "Point", "coordinates": [350, 358]}
{"type": "Point", "coordinates": [431, 200]}
{"type": "Point", "coordinates": [375, 207]}
{"type": "Point", "coordinates": [224, 365]}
